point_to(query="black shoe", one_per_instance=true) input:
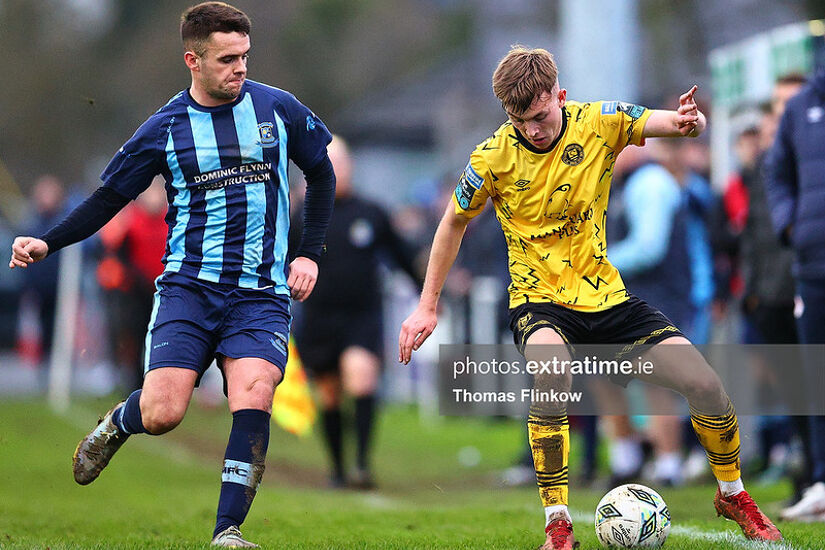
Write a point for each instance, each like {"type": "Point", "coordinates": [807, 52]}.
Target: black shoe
{"type": "Point", "coordinates": [337, 481]}
{"type": "Point", "coordinates": [363, 480]}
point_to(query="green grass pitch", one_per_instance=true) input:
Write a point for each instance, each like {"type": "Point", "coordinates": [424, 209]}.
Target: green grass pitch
{"type": "Point", "coordinates": [162, 492]}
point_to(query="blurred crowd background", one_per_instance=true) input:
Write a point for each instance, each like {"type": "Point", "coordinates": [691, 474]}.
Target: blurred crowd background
{"type": "Point", "coordinates": [407, 83]}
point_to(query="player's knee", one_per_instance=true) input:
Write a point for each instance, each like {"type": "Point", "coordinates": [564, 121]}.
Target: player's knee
{"type": "Point", "coordinates": [360, 371]}
{"type": "Point", "coordinates": [553, 382]}
{"type": "Point", "coordinates": [162, 418]}
{"type": "Point", "coordinates": [706, 393]}
{"type": "Point", "coordinates": [361, 384]}
{"type": "Point", "coordinates": [259, 392]}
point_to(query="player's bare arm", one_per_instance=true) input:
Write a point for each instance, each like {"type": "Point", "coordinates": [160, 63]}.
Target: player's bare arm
{"type": "Point", "coordinates": [685, 121]}
{"type": "Point", "coordinates": [421, 323]}
{"type": "Point", "coordinates": [27, 250]}
{"type": "Point", "coordinates": [303, 272]}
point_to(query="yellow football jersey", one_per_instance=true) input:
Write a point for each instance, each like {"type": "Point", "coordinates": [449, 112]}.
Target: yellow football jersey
{"type": "Point", "coordinates": [552, 205]}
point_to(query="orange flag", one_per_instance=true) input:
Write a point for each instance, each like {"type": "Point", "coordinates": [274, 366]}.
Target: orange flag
{"type": "Point", "coordinates": [292, 407]}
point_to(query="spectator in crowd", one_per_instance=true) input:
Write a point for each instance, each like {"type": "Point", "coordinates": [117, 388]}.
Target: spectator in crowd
{"type": "Point", "coordinates": [728, 221]}
{"type": "Point", "coordinates": [701, 202]}
{"type": "Point", "coordinates": [768, 297]}
{"type": "Point", "coordinates": [339, 332]}
{"type": "Point", "coordinates": [133, 245]}
{"type": "Point", "coordinates": [766, 265]}
{"type": "Point", "coordinates": [48, 202]}
{"type": "Point", "coordinates": [796, 195]}
{"type": "Point", "coordinates": [10, 285]}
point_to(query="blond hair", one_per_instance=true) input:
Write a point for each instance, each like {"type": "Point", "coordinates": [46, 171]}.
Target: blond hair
{"type": "Point", "coordinates": [522, 76]}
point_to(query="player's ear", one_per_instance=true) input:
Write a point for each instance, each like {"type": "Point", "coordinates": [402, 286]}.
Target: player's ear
{"type": "Point", "coordinates": [562, 97]}
{"type": "Point", "coordinates": [192, 60]}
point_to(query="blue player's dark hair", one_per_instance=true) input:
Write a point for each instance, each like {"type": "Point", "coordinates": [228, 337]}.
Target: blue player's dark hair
{"type": "Point", "coordinates": [200, 21]}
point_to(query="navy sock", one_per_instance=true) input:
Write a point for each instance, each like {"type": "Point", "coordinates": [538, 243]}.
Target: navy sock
{"type": "Point", "coordinates": [243, 466]}
{"type": "Point", "coordinates": [128, 418]}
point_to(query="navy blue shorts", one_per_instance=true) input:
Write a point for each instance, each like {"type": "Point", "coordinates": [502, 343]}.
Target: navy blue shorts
{"type": "Point", "coordinates": [194, 322]}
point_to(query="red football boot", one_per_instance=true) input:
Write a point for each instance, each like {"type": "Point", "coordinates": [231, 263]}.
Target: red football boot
{"type": "Point", "coordinates": [743, 510]}
{"type": "Point", "coordinates": [559, 535]}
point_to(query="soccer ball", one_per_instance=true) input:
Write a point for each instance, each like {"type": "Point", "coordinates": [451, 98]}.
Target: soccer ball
{"type": "Point", "coordinates": [632, 516]}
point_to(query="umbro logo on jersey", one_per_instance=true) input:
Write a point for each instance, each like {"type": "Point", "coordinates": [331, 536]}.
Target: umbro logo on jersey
{"type": "Point", "coordinates": [268, 138]}
{"type": "Point", "coordinates": [523, 185]}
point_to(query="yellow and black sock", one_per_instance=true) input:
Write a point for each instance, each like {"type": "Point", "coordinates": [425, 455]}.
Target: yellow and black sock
{"type": "Point", "coordinates": [550, 443]}
{"type": "Point", "coordinates": [719, 435]}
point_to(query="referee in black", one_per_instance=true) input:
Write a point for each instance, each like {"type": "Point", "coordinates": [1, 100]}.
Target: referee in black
{"type": "Point", "coordinates": [339, 330]}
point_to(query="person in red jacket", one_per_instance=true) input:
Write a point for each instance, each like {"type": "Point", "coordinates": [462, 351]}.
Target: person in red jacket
{"type": "Point", "coordinates": [133, 244]}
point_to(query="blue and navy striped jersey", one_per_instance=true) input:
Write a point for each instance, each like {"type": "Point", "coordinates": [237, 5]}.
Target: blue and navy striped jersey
{"type": "Point", "coordinates": [226, 180]}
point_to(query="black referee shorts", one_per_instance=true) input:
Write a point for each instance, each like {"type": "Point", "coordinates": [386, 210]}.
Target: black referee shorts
{"type": "Point", "coordinates": [322, 338]}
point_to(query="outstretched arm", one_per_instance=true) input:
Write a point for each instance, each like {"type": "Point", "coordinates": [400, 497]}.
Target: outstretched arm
{"type": "Point", "coordinates": [421, 323]}
{"type": "Point", "coordinates": [82, 222]}
{"type": "Point", "coordinates": [685, 121]}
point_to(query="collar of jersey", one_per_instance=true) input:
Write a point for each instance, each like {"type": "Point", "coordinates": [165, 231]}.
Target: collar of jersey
{"type": "Point", "coordinates": [187, 97]}
{"type": "Point", "coordinates": [530, 147]}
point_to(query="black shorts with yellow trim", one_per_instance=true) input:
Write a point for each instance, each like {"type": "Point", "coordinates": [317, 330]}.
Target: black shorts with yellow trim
{"type": "Point", "coordinates": [631, 324]}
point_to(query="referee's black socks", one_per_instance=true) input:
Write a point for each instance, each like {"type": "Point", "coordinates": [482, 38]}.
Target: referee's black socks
{"type": "Point", "coordinates": [333, 434]}
{"type": "Point", "coordinates": [364, 415]}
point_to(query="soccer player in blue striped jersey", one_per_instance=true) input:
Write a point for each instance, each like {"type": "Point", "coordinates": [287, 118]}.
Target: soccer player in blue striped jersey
{"type": "Point", "coordinates": [223, 145]}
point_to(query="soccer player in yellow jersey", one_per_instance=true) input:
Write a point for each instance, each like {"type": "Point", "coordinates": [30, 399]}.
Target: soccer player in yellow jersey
{"type": "Point", "coordinates": [547, 171]}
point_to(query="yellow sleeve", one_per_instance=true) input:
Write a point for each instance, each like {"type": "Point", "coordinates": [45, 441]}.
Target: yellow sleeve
{"type": "Point", "coordinates": [622, 123]}
{"type": "Point", "coordinates": [473, 189]}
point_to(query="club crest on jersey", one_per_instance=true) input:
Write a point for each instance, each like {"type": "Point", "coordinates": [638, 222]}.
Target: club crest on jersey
{"type": "Point", "coordinates": [268, 138]}
{"type": "Point", "coordinates": [310, 123]}
{"type": "Point", "coordinates": [573, 154]}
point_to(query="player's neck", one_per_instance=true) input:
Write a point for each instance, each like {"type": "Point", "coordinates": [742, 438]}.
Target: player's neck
{"type": "Point", "coordinates": [204, 99]}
